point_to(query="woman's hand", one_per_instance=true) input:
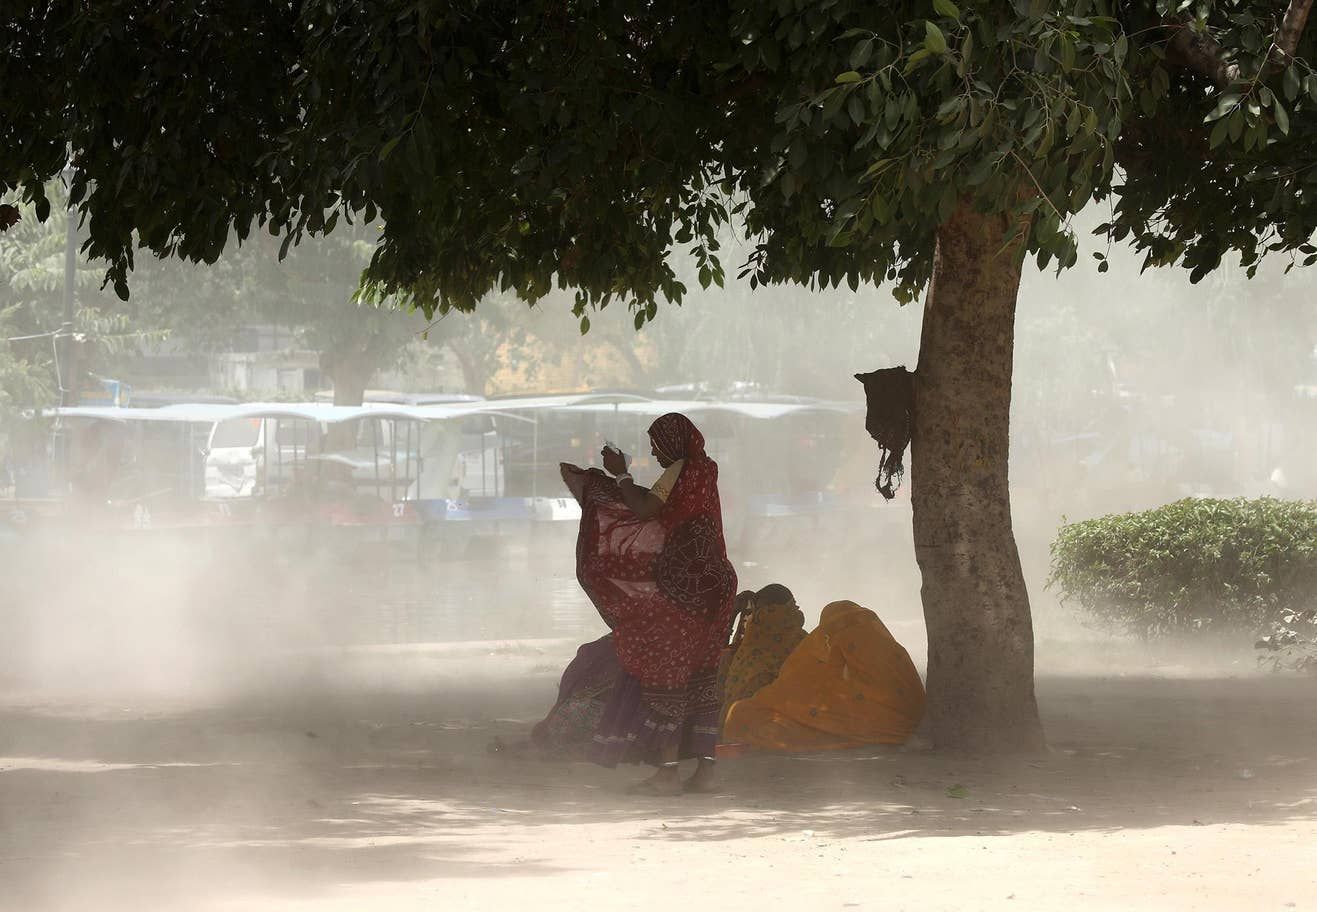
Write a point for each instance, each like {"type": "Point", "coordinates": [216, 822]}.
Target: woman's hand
{"type": "Point", "coordinates": [745, 602]}
{"type": "Point", "coordinates": [614, 461]}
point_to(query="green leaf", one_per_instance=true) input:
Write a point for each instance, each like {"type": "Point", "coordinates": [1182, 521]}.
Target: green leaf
{"type": "Point", "coordinates": [1291, 82]}
{"type": "Point", "coordinates": [1218, 133]}
{"type": "Point", "coordinates": [916, 59]}
{"type": "Point", "coordinates": [946, 8]}
{"type": "Point", "coordinates": [881, 213]}
{"type": "Point", "coordinates": [832, 104]}
{"type": "Point", "coordinates": [861, 53]}
{"type": "Point", "coordinates": [855, 107]}
{"type": "Point", "coordinates": [798, 153]}
{"type": "Point", "coordinates": [1282, 117]}
{"type": "Point", "coordinates": [1229, 101]}
{"type": "Point", "coordinates": [877, 167]}
{"type": "Point", "coordinates": [953, 105]}
{"type": "Point", "coordinates": [957, 791]}
{"type": "Point", "coordinates": [1049, 136]}
{"type": "Point", "coordinates": [848, 77]}
{"type": "Point", "coordinates": [389, 147]}
{"type": "Point", "coordinates": [585, 325]}
{"type": "Point", "coordinates": [1067, 55]}
{"type": "Point", "coordinates": [1236, 121]}
{"type": "Point", "coordinates": [934, 41]}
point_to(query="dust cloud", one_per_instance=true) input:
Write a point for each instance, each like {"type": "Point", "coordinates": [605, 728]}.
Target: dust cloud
{"type": "Point", "coordinates": [205, 719]}
{"type": "Point", "coordinates": [1130, 391]}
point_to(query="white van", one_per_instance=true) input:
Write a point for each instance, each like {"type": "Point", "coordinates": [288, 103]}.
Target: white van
{"type": "Point", "coordinates": [235, 458]}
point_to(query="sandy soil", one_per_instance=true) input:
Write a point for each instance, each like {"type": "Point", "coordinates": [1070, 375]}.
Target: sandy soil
{"type": "Point", "coordinates": [373, 789]}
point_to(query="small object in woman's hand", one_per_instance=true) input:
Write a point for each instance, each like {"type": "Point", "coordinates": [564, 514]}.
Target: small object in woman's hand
{"type": "Point", "coordinates": [615, 461]}
{"type": "Point", "coordinates": [610, 446]}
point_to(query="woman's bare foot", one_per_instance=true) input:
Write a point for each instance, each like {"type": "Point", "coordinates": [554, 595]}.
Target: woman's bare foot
{"type": "Point", "coordinates": [702, 781]}
{"type": "Point", "coordinates": [664, 783]}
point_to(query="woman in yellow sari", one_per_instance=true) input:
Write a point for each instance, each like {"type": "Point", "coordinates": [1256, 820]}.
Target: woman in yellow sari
{"type": "Point", "coordinates": [849, 683]}
{"type": "Point", "coordinates": [771, 628]}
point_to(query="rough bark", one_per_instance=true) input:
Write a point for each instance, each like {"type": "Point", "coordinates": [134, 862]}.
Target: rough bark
{"type": "Point", "coordinates": [1199, 51]}
{"type": "Point", "coordinates": [628, 354]}
{"type": "Point", "coordinates": [1291, 30]}
{"type": "Point", "coordinates": [976, 607]}
{"type": "Point", "coordinates": [475, 372]}
{"type": "Point", "coordinates": [350, 373]}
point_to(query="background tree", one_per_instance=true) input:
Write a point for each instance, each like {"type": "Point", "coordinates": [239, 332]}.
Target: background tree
{"type": "Point", "coordinates": [315, 290]}
{"type": "Point", "coordinates": [34, 349]}
{"type": "Point", "coordinates": [533, 146]}
{"type": "Point", "coordinates": [312, 292]}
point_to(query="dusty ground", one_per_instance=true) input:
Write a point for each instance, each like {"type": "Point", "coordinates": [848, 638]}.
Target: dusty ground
{"type": "Point", "coordinates": [375, 791]}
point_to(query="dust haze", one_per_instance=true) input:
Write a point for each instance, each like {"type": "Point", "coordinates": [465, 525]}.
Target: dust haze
{"type": "Point", "coordinates": [1130, 391]}
{"type": "Point", "coordinates": [345, 692]}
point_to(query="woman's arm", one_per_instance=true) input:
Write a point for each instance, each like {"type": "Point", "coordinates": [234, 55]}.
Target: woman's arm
{"type": "Point", "coordinates": [640, 501]}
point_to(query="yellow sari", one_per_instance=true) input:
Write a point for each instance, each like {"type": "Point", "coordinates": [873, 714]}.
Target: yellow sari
{"type": "Point", "coordinates": [848, 684]}
{"type": "Point", "coordinates": [771, 633]}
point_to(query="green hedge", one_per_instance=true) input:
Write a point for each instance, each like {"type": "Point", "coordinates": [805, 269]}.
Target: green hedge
{"type": "Point", "coordinates": [1191, 566]}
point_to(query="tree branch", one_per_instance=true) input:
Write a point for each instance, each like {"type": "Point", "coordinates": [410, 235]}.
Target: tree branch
{"type": "Point", "coordinates": [1291, 30]}
{"type": "Point", "coordinates": [1199, 51]}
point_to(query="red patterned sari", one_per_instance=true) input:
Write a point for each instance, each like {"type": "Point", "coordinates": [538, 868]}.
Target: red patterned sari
{"type": "Point", "coordinates": [666, 588]}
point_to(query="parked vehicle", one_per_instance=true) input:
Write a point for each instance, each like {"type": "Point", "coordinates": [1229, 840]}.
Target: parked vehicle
{"type": "Point", "coordinates": [235, 458]}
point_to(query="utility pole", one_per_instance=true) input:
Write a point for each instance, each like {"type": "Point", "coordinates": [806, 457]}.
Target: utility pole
{"type": "Point", "coordinates": [68, 394]}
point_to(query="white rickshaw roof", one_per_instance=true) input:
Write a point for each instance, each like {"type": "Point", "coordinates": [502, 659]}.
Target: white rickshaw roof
{"type": "Point", "coordinates": [621, 403]}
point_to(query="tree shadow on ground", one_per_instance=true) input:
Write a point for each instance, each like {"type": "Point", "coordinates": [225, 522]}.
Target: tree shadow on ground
{"type": "Point", "coordinates": [301, 798]}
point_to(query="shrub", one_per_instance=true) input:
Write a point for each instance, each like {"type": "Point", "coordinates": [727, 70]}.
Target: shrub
{"type": "Point", "coordinates": [1192, 566]}
{"type": "Point", "coordinates": [1291, 644]}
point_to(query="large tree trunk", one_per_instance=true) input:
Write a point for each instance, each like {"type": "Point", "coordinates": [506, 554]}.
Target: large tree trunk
{"type": "Point", "coordinates": [475, 378]}
{"type": "Point", "coordinates": [976, 607]}
{"type": "Point", "coordinates": [349, 372]}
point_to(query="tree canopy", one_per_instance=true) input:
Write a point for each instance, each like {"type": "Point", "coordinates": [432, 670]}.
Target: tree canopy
{"type": "Point", "coordinates": [527, 146]}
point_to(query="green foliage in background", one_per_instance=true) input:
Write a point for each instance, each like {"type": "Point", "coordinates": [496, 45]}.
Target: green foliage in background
{"type": "Point", "coordinates": [32, 309]}
{"type": "Point", "coordinates": [1192, 566]}
{"type": "Point", "coordinates": [1291, 643]}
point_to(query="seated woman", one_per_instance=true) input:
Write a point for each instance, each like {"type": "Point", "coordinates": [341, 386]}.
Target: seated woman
{"type": "Point", "coordinates": [771, 627]}
{"type": "Point", "coordinates": [582, 694]}
{"type": "Point", "coordinates": [849, 683]}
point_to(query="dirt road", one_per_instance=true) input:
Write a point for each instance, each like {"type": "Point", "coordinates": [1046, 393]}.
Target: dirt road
{"type": "Point", "coordinates": [1159, 793]}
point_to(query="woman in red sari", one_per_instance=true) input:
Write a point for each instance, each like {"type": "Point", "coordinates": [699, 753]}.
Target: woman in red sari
{"type": "Point", "coordinates": [654, 563]}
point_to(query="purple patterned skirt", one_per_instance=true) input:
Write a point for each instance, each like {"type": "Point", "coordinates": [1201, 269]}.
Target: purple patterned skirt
{"type": "Point", "coordinates": [638, 726]}
{"type": "Point", "coordinates": [582, 694]}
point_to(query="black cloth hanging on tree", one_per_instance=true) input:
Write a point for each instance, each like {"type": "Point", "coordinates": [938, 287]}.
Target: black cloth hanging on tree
{"type": "Point", "coordinates": [889, 397]}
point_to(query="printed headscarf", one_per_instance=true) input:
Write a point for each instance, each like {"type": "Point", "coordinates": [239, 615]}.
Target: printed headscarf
{"type": "Point", "coordinates": [676, 437]}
